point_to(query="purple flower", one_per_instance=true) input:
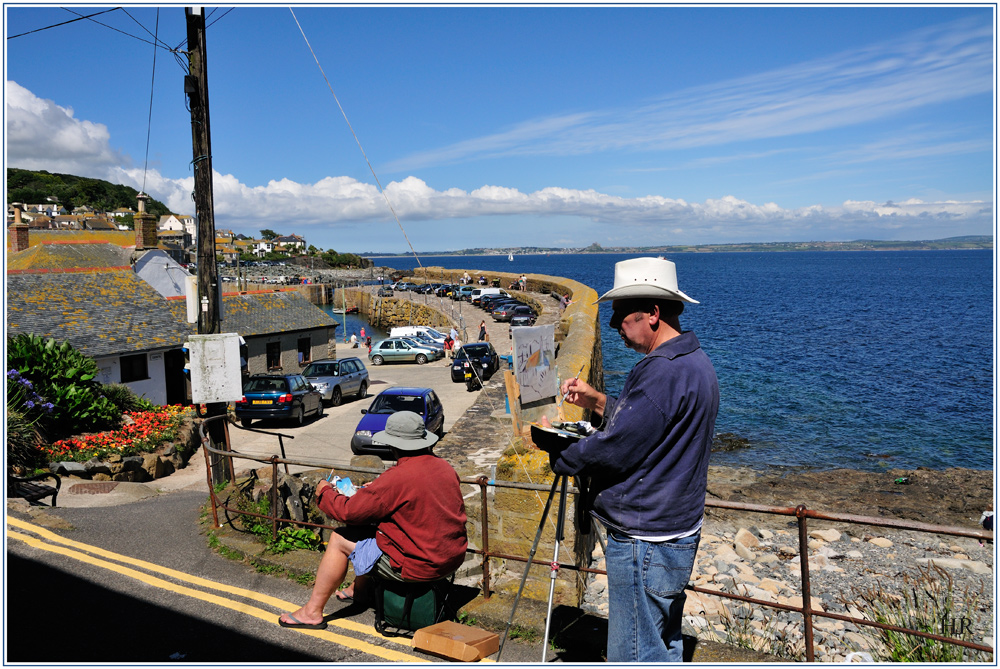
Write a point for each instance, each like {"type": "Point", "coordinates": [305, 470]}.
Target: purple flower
{"type": "Point", "coordinates": [49, 407]}
{"type": "Point", "coordinates": [13, 374]}
{"type": "Point", "coordinates": [29, 405]}
{"type": "Point", "coordinates": [25, 382]}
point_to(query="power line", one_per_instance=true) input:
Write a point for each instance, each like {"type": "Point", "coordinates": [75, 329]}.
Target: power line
{"type": "Point", "coordinates": [38, 30]}
{"type": "Point", "coordinates": [116, 29]}
{"type": "Point", "coordinates": [149, 121]}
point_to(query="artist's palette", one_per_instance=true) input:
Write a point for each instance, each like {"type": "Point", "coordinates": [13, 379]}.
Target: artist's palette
{"type": "Point", "coordinates": [551, 439]}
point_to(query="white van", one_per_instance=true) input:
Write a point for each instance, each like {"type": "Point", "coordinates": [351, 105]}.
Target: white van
{"type": "Point", "coordinates": [478, 293]}
{"type": "Point", "coordinates": [413, 330]}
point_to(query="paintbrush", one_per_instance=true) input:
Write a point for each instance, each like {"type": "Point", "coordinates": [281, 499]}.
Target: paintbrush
{"type": "Point", "coordinates": [559, 408]}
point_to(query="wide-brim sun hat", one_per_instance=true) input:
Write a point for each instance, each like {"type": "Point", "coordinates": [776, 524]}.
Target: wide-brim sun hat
{"type": "Point", "coordinates": [645, 277]}
{"type": "Point", "coordinates": [406, 431]}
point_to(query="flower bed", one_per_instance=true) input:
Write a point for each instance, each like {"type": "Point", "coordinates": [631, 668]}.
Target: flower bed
{"type": "Point", "coordinates": [143, 432]}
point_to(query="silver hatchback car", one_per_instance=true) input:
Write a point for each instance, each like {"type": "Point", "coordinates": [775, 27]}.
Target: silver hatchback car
{"type": "Point", "coordinates": [337, 378]}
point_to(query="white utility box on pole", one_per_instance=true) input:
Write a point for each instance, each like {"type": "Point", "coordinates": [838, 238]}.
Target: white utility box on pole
{"type": "Point", "coordinates": [214, 363]}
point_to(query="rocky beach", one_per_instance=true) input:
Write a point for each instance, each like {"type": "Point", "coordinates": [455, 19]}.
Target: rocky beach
{"type": "Point", "coordinates": [756, 555]}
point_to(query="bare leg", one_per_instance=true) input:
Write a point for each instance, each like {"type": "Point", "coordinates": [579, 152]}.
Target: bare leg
{"type": "Point", "coordinates": [356, 590]}
{"type": "Point", "coordinates": [329, 576]}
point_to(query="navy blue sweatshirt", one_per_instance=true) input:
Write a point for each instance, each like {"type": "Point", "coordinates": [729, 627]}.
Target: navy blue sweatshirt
{"type": "Point", "coordinates": [649, 466]}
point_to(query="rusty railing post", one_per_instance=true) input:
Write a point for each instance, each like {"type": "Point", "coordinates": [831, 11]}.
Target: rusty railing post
{"type": "Point", "coordinates": [205, 440]}
{"type": "Point", "coordinates": [483, 481]}
{"type": "Point", "coordinates": [274, 496]}
{"type": "Point", "coordinates": [800, 514]}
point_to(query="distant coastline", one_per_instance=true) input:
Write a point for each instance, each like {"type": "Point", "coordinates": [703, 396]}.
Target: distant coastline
{"type": "Point", "coordinates": [968, 242]}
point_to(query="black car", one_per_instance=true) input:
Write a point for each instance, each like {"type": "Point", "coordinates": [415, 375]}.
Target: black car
{"type": "Point", "coordinates": [287, 396]}
{"type": "Point", "coordinates": [479, 357]}
{"type": "Point", "coordinates": [519, 321]}
{"type": "Point", "coordinates": [490, 301]}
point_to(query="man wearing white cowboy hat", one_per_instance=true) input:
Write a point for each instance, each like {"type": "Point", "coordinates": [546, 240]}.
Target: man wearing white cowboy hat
{"type": "Point", "coordinates": [418, 515]}
{"type": "Point", "coordinates": [649, 464]}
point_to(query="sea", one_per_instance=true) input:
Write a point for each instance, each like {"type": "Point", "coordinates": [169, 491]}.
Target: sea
{"type": "Point", "coordinates": [865, 360]}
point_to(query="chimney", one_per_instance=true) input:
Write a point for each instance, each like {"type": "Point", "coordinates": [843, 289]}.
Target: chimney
{"type": "Point", "coordinates": [19, 229]}
{"type": "Point", "coordinates": [145, 226]}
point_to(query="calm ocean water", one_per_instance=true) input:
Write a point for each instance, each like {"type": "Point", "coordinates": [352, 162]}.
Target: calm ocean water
{"type": "Point", "coordinates": [867, 360]}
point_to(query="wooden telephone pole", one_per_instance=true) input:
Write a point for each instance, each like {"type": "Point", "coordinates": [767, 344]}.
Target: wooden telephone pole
{"type": "Point", "coordinates": [196, 89]}
{"type": "Point", "coordinates": [209, 313]}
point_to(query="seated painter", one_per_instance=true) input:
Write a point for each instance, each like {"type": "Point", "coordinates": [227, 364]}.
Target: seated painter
{"type": "Point", "coordinates": [406, 525]}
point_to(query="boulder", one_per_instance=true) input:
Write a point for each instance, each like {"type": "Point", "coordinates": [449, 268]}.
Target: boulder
{"type": "Point", "coordinates": [95, 466]}
{"type": "Point", "coordinates": [829, 535]}
{"type": "Point", "coordinates": [881, 542]}
{"type": "Point", "coordinates": [69, 469]}
{"type": "Point", "coordinates": [153, 466]}
{"type": "Point", "coordinates": [745, 538]}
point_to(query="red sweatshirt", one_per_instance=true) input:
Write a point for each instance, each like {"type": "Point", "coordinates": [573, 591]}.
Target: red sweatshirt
{"type": "Point", "coordinates": [418, 508]}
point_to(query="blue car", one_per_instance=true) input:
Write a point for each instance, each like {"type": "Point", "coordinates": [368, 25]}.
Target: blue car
{"type": "Point", "coordinates": [421, 401]}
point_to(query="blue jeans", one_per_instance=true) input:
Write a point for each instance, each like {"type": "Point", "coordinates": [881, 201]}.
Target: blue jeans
{"type": "Point", "coordinates": [646, 597]}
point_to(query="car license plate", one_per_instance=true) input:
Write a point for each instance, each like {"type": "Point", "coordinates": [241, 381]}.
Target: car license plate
{"type": "Point", "coordinates": [262, 401]}
{"type": "Point", "coordinates": [468, 375]}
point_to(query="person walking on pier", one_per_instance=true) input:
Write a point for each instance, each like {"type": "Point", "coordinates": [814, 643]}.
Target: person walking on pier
{"type": "Point", "coordinates": [649, 464]}
{"type": "Point", "coordinates": [482, 330]}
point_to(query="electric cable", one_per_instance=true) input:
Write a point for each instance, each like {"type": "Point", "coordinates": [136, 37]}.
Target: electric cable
{"type": "Point", "coordinates": [358, 141]}
{"type": "Point", "coordinates": [155, 35]}
{"type": "Point", "coordinates": [117, 30]}
{"type": "Point", "coordinates": [149, 120]}
{"type": "Point", "coordinates": [38, 30]}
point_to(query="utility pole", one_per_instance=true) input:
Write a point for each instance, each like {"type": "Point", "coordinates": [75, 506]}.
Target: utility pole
{"type": "Point", "coordinates": [209, 314]}
{"type": "Point", "coordinates": [196, 89]}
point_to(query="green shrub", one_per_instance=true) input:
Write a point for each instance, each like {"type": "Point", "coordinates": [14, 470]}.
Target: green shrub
{"type": "Point", "coordinates": [66, 379]}
{"type": "Point", "coordinates": [125, 398]}
{"type": "Point", "coordinates": [22, 442]}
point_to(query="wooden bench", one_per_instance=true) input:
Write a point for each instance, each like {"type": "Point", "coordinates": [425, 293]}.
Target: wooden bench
{"type": "Point", "coordinates": [28, 488]}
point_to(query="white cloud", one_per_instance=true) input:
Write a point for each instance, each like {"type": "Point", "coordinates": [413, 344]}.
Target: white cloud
{"type": "Point", "coordinates": [41, 135]}
{"type": "Point", "coordinates": [931, 66]}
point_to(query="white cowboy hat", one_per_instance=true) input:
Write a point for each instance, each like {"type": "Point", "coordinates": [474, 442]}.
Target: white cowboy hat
{"type": "Point", "coordinates": [405, 430]}
{"type": "Point", "coordinates": [645, 277]}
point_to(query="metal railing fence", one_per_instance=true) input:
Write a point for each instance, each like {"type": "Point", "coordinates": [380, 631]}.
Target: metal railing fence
{"type": "Point", "coordinates": [801, 513]}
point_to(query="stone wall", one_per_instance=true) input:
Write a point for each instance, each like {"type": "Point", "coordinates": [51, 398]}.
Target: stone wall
{"type": "Point", "coordinates": [137, 468]}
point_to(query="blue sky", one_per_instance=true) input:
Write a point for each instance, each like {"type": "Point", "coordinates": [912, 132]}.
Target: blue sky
{"type": "Point", "coordinates": [517, 126]}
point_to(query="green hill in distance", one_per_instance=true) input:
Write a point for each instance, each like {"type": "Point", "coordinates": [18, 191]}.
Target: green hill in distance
{"type": "Point", "coordinates": [949, 243]}
{"type": "Point", "coordinates": [37, 187]}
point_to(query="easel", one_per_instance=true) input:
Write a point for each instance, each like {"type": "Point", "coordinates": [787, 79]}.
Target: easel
{"type": "Point", "coordinates": [561, 481]}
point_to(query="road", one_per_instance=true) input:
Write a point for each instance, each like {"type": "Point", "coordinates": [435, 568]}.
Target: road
{"type": "Point", "coordinates": [128, 576]}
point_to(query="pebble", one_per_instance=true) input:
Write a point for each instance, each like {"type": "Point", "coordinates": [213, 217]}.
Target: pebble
{"type": "Point", "coordinates": [770, 572]}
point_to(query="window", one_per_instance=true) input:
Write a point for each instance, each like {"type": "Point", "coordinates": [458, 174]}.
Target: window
{"type": "Point", "coordinates": [305, 351]}
{"type": "Point", "coordinates": [274, 355]}
{"type": "Point", "coordinates": [134, 368]}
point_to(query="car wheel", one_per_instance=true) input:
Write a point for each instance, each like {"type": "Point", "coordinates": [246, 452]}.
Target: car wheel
{"type": "Point", "coordinates": [335, 397]}
{"type": "Point", "coordinates": [300, 417]}
{"type": "Point", "coordinates": [363, 392]}
{"type": "Point", "coordinates": [319, 409]}
{"type": "Point", "coordinates": [440, 431]}
{"type": "Point", "coordinates": [421, 359]}
{"type": "Point", "coordinates": [377, 360]}
{"type": "Point", "coordinates": [245, 422]}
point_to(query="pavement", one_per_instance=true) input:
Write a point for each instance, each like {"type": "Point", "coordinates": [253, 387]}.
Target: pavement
{"type": "Point", "coordinates": [577, 636]}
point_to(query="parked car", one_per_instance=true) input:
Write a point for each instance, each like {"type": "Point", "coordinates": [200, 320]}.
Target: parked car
{"type": "Point", "coordinates": [464, 292]}
{"type": "Point", "coordinates": [445, 290]}
{"type": "Point", "coordinates": [519, 321]}
{"type": "Point", "coordinates": [385, 291]}
{"type": "Point", "coordinates": [405, 285]}
{"type": "Point", "coordinates": [286, 396]}
{"type": "Point", "coordinates": [480, 356]}
{"type": "Point", "coordinates": [422, 401]}
{"type": "Point", "coordinates": [488, 302]}
{"type": "Point", "coordinates": [414, 330]}
{"type": "Point", "coordinates": [336, 378]}
{"type": "Point", "coordinates": [402, 349]}
{"type": "Point", "coordinates": [505, 311]}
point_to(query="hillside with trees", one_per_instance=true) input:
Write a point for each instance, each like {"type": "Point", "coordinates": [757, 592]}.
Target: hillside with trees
{"type": "Point", "coordinates": [38, 187]}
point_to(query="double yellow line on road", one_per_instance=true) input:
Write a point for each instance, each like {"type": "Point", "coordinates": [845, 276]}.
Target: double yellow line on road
{"type": "Point", "coordinates": [53, 543]}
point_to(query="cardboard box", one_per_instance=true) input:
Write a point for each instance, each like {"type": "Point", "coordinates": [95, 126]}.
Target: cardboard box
{"type": "Point", "coordinates": [456, 642]}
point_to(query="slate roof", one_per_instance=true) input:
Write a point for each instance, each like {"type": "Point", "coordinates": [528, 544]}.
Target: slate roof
{"type": "Point", "coordinates": [68, 257]}
{"type": "Point", "coordinates": [49, 237]}
{"type": "Point", "coordinates": [267, 312]}
{"type": "Point", "coordinates": [102, 312]}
